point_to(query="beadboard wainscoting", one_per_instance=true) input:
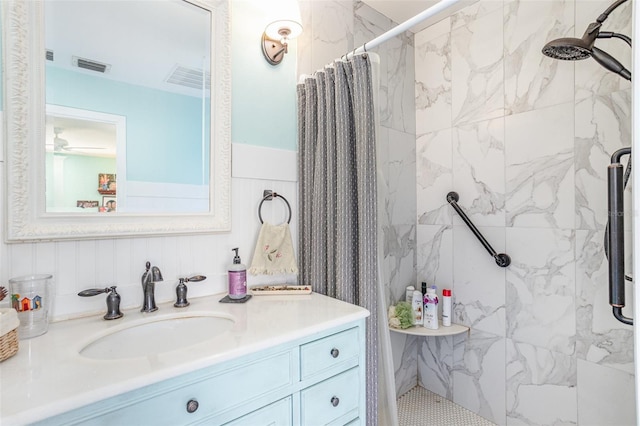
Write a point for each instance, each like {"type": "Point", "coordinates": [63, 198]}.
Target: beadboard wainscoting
{"type": "Point", "coordinates": [78, 265]}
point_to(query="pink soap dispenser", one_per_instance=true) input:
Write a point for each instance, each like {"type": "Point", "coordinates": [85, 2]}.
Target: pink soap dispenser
{"type": "Point", "coordinates": [237, 278]}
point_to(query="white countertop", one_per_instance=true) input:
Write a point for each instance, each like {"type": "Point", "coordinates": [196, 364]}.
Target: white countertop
{"type": "Point", "coordinates": [48, 376]}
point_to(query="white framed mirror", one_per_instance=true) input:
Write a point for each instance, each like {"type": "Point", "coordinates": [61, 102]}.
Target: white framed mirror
{"type": "Point", "coordinates": [37, 147]}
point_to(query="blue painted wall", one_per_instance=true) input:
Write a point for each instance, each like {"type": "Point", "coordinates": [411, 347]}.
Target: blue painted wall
{"type": "Point", "coordinates": [263, 96]}
{"type": "Point", "coordinates": [163, 129]}
{"type": "Point", "coordinates": [76, 189]}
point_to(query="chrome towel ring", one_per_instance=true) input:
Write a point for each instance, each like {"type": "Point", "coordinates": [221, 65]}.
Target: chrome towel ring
{"type": "Point", "coordinates": [268, 196]}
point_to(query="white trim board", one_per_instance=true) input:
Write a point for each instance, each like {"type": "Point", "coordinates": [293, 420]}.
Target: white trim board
{"type": "Point", "coordinates": [258, 162]}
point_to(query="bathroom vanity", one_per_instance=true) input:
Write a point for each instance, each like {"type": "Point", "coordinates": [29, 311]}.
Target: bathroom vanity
{"type": "Point", "coordinates": [282, 360]}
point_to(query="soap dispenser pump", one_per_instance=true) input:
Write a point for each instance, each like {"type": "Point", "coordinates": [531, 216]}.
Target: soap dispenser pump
{"type": "Point", "coordinates": [237, 278]}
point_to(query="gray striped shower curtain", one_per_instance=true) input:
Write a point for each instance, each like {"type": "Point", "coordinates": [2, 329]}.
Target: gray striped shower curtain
{"type": "Point", "coordinates": [337, 194]}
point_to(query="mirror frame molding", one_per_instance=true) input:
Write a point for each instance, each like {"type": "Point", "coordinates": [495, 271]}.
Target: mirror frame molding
{"type": "Point", "coordinates": [24, 115]}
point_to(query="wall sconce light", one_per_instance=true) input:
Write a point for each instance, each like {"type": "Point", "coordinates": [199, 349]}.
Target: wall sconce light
{"type": "Point", "coordinates": [278, 32]}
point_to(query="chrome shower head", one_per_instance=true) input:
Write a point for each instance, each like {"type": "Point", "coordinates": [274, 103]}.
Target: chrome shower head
{"type": "Point", "coordinates": [567, 49]}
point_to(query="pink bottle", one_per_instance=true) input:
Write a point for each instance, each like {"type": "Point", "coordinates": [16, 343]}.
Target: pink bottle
{"type": "Point", "coordinates": [237, 278]}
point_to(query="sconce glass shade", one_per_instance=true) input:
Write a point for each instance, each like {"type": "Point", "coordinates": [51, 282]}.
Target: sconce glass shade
{"type": "Point", "coordinates": [282, 16]}
{"type": "Point", "coordinates": [283, 28]}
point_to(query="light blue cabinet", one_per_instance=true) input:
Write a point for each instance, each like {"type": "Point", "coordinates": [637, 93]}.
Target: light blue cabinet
{"type": "Point", "coordinates": [275, 414]}
{"type": "Point", "coordinates": [315, 380]}
{"type": "Point", "coordinates": [332, 401]}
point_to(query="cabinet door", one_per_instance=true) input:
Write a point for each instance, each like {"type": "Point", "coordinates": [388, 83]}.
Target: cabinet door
{"type": "Point", "coordinates": [276, 414]}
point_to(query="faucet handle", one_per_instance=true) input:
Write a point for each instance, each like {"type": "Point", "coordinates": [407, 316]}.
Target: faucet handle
{"type": "Point", "coordinates": [181, 290]}
{"type": "Point", "coordinates": [113, 300]}
{"type": "Point", "coordinates": [94, 292]}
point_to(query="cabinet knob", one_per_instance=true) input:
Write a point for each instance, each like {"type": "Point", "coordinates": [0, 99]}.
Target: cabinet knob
{"type": "Point", "coordinates": [192, 406]}
{"type": "Point", "coordinates": [335, 401]}
{"type": "Point", "coordinates": [335, 352]}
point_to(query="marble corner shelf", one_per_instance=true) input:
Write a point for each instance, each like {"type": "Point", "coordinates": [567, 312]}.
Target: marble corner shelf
{"type": "Point", "coordinates": [426, 332]}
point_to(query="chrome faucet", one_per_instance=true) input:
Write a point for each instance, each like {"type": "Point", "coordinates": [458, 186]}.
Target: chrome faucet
{"type": "Point", "coordinates": [149, 279]}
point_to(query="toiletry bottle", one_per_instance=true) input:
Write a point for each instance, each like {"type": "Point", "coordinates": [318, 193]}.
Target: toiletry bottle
{"type": "Point", "coordinates": [417, 306]}
{"type": "Point", "coordinates": [409, 294]}
{"type": "Point", "coordinates": [431, 309]}
{"type": "Point", "coordinates": [446, 307]}
{"type": "Point", "coordinates": [237, 278]}
{"type": "Point", "coordinates": [424, 289]}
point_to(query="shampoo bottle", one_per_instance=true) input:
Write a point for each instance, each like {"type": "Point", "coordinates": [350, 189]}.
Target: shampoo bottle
{"type": "Point", "coordinates": [416, 304]}
{"type": "Point", "coordinates": [446, 307]}
{"type": "Point", "coordinates": [431, 309]}
{"type": "Point", "coordinates": [237, 278]}
{"type": "Point", "coordinates": [408, 297]}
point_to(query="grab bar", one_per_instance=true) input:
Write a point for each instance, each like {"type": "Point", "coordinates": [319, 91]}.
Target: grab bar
{"type": "Point", "coordinates": [503, 260]}
{"type": "Point", "coordinates": [616, 235]}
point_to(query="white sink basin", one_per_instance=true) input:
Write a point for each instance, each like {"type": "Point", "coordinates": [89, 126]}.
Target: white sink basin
{"type": "Point", "coordinates": [156, 335]}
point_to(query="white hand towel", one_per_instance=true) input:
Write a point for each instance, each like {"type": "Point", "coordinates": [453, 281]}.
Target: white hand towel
{"type": "Point", "coordinates": [8, 320]}
{"type": "Point", "coordinates": [274, 251]}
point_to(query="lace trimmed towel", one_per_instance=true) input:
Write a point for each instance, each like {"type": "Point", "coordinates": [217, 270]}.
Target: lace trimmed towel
{"type": "Point", "coordinates": [274, 251]}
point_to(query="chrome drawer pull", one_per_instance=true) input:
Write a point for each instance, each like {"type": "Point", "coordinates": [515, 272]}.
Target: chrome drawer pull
{"type": "Point", "coordinates": [335, 401]}
{"type": "Point", "coordinates": [192, 406]}
{"type": "Point", "coordinates": [335, 352]}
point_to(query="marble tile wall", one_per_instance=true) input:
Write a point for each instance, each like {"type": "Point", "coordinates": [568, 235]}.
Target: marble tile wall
{"type": "Point", "coordinates": [525, 141]}
{"type": "Point", "coordinates": [333, 28]}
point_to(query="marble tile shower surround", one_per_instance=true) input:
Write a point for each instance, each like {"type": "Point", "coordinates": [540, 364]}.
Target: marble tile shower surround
{"type": "Point", "coordinates": [405, 353]}
{"type": "Point", "coordinates": [525, 141]}
{"type": "Point", "coordinates": [599, 131]}
{"type": "Point", "coordinates": [435, 365]}
{"type": "Point", "coordinates": [478, 375]}
{"type": "Point", "coordinates": [535, 378]}
{"type": "Point", "coordinates": [481, 304]}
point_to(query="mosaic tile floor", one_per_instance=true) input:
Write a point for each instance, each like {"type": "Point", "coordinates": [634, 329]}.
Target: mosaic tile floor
{"type": "Point", "coordinates": [420, 407]}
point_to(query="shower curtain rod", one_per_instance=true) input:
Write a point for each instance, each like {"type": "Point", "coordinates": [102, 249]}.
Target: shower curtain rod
{"type": "Point", "coordinates": [400, 28]}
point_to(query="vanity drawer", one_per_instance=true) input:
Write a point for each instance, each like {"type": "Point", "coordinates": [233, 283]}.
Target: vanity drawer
{"type": "Point", "coordinates": [225, 394]}
{"type": "Point", "coordinates": [333, 400]}
{"type": "Point", "coordinates": [330, 354]}
{"type": "Point", "coordinates": [276, 414]}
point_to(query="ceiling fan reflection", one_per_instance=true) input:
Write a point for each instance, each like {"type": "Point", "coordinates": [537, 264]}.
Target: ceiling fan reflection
{"type": "Point", "coordinates": [60, 144]}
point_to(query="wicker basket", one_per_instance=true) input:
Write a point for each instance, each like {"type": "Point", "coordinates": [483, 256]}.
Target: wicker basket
{"type": "Point", "coordinates": [9, 326]}
{"type": "Point", "coordinates": [9, 345]}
